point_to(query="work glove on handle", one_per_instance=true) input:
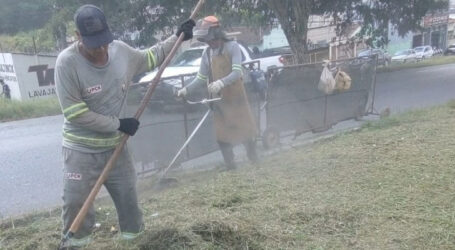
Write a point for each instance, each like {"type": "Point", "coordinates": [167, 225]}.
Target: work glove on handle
{"type": "Point", "coordinates": [181, 92]}
{"type": "Point", "coordinates": [187, 29]}
{"type": "Point", "coordinates": [215, 87]}
{"type": "Point", "coordinates": [129, 126]}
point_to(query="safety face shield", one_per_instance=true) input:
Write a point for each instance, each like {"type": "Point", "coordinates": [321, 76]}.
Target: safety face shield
{"type": "Point", "coordinates": [203, 32]}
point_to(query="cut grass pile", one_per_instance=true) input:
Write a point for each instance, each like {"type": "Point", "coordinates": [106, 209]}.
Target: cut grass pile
{"type": "Point", "coordinates": [16, 110]}
{"type": "Point", "coordinates": [389, 185]}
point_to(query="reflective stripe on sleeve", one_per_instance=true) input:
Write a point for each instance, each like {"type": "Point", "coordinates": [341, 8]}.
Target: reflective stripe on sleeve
{"type": "Point", "coordinates": [75, 110]}
{"type": "Point", "coordinates": [201, 77]}
{"type": "Point", "coordinates": [111, 141]}
{"type": "Point", "coordinates": [237, 67]}
{"type": "Point", "coordinates": [151, 59]}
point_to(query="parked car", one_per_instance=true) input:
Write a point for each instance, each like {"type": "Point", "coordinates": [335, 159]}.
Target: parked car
{"type": "Point", "coordinates": [384, 58]}
{"type": "Point", "coordinates": [450, 50]}
{"type": "Point", "coordinates": [423, 52]}
{"type": "Point", "coordinates": [404, 56]}
{"type": "Point", "coordinates": [187, 64]}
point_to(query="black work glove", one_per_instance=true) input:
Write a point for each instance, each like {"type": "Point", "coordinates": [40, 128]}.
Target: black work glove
{"type": "Point", "coordinates": [187, 29]}
{"type": "Point", "coordinates": [129, 125]}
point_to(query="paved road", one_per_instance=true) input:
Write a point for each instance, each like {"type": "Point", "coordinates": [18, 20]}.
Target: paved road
{"type": "Point", "coordinates": [30, 164]}
{"type": "Point", "coordinates": [30, 152]}
{"type": "Point", "coordinates": [415, 88]}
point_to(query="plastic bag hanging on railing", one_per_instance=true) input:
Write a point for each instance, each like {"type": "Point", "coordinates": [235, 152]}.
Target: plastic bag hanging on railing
{"type": "Point", "coordinates": [326, 82]}
{"type": "Point", "coordinates": [342, 81]}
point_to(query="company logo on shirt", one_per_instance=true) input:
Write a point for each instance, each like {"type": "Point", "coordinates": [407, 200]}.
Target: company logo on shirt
{"type": "Point", "coordinates": [73, 176]}
{"type": "Point", "coordinates": [94, 89]}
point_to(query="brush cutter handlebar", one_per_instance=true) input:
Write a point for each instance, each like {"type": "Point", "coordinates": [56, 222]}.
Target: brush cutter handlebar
{"type": "Point", "coordinates": [203, 101]}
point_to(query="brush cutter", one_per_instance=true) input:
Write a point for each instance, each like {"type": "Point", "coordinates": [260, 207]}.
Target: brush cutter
{"type": "Point", "coordinates": [162, 180]}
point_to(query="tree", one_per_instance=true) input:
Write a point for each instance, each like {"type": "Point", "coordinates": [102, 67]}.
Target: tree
{"type": "Point", "coordinates": [160, 17]}
{"type": "Point", "coordinates": [149, 18]}
{"type": "Point", "coordinates": [23, 15]}
{"type": "Point", "coordinates": [293, 15]}
{"type": "Point", "coordinates": [375, 15]}
{"type": "Point", "coordinates": [63, 12]}
{"type": "Point", "coordinates": [155, 18]}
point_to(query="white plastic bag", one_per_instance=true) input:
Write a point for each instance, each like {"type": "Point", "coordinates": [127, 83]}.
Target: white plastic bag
{"type": "Point", "coordinates": [326, 82]}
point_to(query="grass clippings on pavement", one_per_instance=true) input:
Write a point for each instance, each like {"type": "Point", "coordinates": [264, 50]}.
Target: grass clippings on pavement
{"type": "Point", "coordinates": [389, 185]}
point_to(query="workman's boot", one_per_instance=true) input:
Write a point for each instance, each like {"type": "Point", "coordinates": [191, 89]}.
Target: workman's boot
{"type": "Point", "coordinates": [228, 155]}
{"type": "Point", "coordinates": [251, 153]}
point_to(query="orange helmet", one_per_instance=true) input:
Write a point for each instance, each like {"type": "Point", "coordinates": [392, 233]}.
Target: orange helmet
{"type": "Point", "coordinates": [208, 29]}
{"type": "Point", "coordinates": [211, 21]}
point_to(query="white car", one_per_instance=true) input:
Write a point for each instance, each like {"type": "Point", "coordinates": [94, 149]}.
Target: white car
{"type": "Point", "coordinates": [404, 56]}
{"type": "Point", "coordinates": [186, 65]}
{"type": "Point", "coordinates": [423, 52]}
{"type": "Point", "coordinates": [188, 62]}
{"type": "Point", "coordinates": [450, 50]}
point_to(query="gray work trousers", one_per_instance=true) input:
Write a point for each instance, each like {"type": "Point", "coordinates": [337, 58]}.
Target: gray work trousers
{"type": "Point", "coordinates": [81, 171]}
{"type": "Point", "coordinates": [228, 152]}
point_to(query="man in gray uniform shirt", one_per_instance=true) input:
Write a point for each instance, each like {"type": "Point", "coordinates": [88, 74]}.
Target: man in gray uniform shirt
{"type": "Point", "coordinates": [91, 79]}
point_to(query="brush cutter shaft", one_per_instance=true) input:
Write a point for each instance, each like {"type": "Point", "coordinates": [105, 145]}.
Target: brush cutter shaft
{"type": "Point", "coordinates": [186, 142]}
{"type": "Point", "coordinates": [203, 101]}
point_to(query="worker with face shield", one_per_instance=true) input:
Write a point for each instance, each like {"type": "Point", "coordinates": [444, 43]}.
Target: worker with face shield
{"type": "Point", "coordinates": [221, 72]}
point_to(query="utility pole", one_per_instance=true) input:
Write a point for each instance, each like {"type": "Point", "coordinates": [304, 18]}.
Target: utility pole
{"type": "Point", "coordinates": [449, 8]}
{"type": "Point", "coordinates": [34, 45]}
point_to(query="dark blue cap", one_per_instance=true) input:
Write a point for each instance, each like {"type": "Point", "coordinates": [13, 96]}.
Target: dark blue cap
{"type": "Point", "coordinates": [92, 25]}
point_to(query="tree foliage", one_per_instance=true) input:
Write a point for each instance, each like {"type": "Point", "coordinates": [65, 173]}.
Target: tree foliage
{"type": "Point", "coordinates": [23, 15]}
{"type": "Point", "coordinates": [140, 21]}
{"type": "Point", "coordinates": [373, 15]}
{"type": "Point", "coordinates": [293, 15]}
{"type": "Point", "coordinates": [376, 15]}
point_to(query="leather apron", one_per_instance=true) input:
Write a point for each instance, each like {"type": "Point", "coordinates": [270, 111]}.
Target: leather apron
{"type": "Point", "coordinates": [233, 119]}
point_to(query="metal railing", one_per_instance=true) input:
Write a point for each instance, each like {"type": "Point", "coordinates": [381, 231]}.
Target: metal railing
{"type": "Point", "coordinates": [293, 106]}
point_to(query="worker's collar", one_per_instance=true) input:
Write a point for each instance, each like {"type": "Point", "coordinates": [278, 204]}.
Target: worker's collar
{"type": "Point", "coordinates": [219, 50]}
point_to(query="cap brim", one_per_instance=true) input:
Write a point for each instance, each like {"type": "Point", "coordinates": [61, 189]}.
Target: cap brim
{"type": "Point", "coordinates": [98, 40]}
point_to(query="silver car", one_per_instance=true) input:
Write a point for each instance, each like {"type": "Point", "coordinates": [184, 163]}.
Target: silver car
{"type": "Point", "coordinates": [423, 52]}
{"type": "Point", "coordinates": [404, 56]}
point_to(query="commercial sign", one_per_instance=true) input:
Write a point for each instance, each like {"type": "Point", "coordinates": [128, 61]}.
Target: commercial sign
{"type": "Point", "coordinates": [436, 19]}
{"type": "Point", "coordinates": [8, 74]}
{"type": "Point", "coordinates": [45, 78]}
{"type": "Point", "coordinates": [29, 76]}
